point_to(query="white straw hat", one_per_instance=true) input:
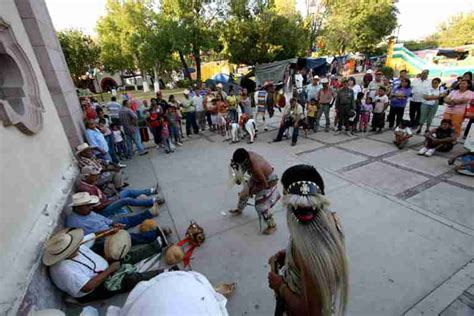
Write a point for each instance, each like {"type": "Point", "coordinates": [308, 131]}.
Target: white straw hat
{"type": "Point", "coordinates": [83, 198]}
{"type": "Point", "coordinates": [118, 245]}
{"type": "Point", "coordinates": [61, 245]}
{"type": "Point", "coordinates": [82, 147]}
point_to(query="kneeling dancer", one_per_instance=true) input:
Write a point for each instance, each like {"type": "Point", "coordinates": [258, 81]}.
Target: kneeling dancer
{"type": "Point", "coordinates": [262, 183]}
{"type": "Point", "coordinates": [315, 278]}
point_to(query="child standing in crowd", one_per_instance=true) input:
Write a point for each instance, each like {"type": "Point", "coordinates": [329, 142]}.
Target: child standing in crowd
{"type": "Point", "coordinates": [402, 134]}
{"type": "Point", "coordinates": [380, 105]}
{"type": "Point", "coordinates": [365, 110]}
{"type": "Point", "coordinates": [165, 135]}
{"type": "Point", "coordinates": [178, 115]}
{"type": "Point", "coordinates": [173, 118]}
{"type": "Point", "coordinates": [221, 106]}
{"type": "Point", "coordinates": [118, 142]}
{"type": "Point", "coordinates": [232, 103]}
{"type": "Point", "coordinates": [311, 113]}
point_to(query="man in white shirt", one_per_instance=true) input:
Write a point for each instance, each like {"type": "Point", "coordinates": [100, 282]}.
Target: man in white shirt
{"type": "Point", "coordinates": [197, 101]}
{"type": "Point", "coordinates": [312, 90]}
{"type": "Point", "coordinates": [80, 272]}
{"type": "Point", "coordinates": [375, 84]}
{"type": "Point", "coordinates": [292, 115]}
{"type": "Point", "coordinates": [419, 87]}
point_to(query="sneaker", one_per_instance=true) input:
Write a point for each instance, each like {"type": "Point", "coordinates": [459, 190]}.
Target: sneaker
{"type": "Point", "coordinates": [265, 128]}
{"type": "Point", "coordinates": [423, 151]}
{"type": "Point", "coordinates": [144, 153]}
{"type": "Point", "coordinates": [121, 165]}
{"type": "Point", "coordinates": [179, 143]}
{"type": "Point", "coordinates": [276, 140]}
{"type": "Point", "coordinates": [269, 230]}
{"type": "Point", "coordinates": [159, 200]}
{"type": "Point", "coordinates": [430, 152]}
{"type": "Point", "coordinates": [293, 144]}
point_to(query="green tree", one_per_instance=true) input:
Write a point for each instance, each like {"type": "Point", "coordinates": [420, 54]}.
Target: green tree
{"type": "Point", "coordinates": [458, 30]}
{"type": "Point", "coordinates": [80, 51]}
{"type": "Point", "coordinates": [358, 25]}
{"type": "Point", "coordinates": [259, 35]}
{"type": "Point", "coordinates": [196, 26]}
{"type": "Point", "coordinates": [128, 36]}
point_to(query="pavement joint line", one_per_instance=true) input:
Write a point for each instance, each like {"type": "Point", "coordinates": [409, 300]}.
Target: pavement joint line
{"type": "Point", "coordinates": [471, 261]}
{"type": "Point", "coordinates": [462, 229]}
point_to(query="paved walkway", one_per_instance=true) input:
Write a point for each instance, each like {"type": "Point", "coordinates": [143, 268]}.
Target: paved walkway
{"type": "Point", "coordinates": [408, 219]}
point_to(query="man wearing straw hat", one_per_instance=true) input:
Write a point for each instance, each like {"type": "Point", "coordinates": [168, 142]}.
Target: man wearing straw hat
{"type": "Point", "coordinates": [83, 217]}
{"type": "Point", "coordinates": [109, 173]}
{"type": "Point", "coordinates": [83, 274]}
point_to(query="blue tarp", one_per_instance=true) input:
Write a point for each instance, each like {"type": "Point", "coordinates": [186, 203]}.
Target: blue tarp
{"type": "Point", "coordinates": [315, 62]}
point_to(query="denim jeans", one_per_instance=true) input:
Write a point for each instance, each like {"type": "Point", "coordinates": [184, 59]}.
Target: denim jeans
{"type": "Point", "coordinates": [127, 197]}
{"type": "Point", "coordinates": [110, 142]}
{"type": "Point", "coordinates": [284, 126]}
{"type": "Point", "coordinates": [323, 109]}
{"type": "Point", "coordinates": [134, 138]}
{"type": "Point", "coordinates": [191, 121]}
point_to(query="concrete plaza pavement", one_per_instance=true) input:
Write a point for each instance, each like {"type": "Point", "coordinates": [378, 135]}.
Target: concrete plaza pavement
{"type": "Point", "coordinates": [409, 220]}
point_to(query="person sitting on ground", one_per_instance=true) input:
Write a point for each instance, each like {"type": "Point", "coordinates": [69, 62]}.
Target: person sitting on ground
{"type": "Point", "coordinates": [83, 274]}
{"type": "Point", "coordinates": [442, 139]}
{"type": "Point", "coordinates": [91, 222]}
{"type": "Point", "coordinates": [109, 173]}
{"type": "Point", "coordinates": [111, 206]}
{"type": "Point", "coordinates": [467, 166]}
{"type": "Point", "coordinates": [402, 134]}
{"type": "Point", "coordinates": [292, 115]}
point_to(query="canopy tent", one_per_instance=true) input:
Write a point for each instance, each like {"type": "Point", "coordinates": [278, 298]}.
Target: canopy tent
{"type": "Point", "coordinates": [319, 66]}
{"type": "Point", "coordinates": [221, 77]}
{"type": "Point", "coordinates": [276, 71]}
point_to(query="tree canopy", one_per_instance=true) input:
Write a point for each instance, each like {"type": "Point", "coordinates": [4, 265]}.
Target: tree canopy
{"type": "Point", "coordinates": [80, 51]}
{"type": "Point", "coordinates": [457, 31]}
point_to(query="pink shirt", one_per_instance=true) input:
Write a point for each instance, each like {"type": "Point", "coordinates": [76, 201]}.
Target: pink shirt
{"type": "Point", "coordinates": [459, 108]}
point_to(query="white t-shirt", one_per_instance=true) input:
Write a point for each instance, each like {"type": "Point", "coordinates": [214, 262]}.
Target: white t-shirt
{"type": "Point", "coordinates": [197, 103]}
{"type": "Point", "coordinates": [403, 131]}
{"type": "Point", "coordinates": [356, 89]}
{"type": "Point", "coordinates": [418, 89]}
{"type": "Point", "coordinates": [173, 293]}
{"type": "Point", "coordinates": [299, 82]}
{"type": "Point", "coordinates": [379, 103]}
{"type": "Point", "coordinates": [432, 92]}
{"type": "Point", "coordinates": [71, 276]}
{"type": "Point", "coordinates": [117, 136]}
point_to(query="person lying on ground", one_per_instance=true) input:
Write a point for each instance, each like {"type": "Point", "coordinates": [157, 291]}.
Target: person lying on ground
{"type": "Point", "coordinates": [83, 274]}
{"type": "Point", "coordinates": [110, 206]}
{"type": "Point", "coordinates": [441, 139]}
{"type": "Point", "coordinates": [402, 134]}
{"type": "Point", "coordinates": [83, 217]}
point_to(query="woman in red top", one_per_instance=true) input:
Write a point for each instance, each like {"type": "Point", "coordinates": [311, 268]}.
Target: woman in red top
{"type": "Point", "coordinates": [154, 123]}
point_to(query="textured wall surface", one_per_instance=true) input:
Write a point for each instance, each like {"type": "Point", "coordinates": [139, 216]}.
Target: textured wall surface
{"type": "Point", "coordinates": [38, 172]}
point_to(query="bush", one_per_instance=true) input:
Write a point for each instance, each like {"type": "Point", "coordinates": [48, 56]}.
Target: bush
{"type": "Point", "coordinates": [387, 71]}
{"type": "Point", "coordinates": [185, 83]}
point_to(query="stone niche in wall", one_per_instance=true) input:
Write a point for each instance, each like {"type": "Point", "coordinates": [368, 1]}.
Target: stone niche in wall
{"type": "Point", "coordinates": [20, 102]}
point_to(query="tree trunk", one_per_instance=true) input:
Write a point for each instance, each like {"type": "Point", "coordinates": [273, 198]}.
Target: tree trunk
{"type": "Point", "coordinates": [146, 87]}
{"type": "Point", "coordinates": [197, 57]}
{"type": "Point", "coordinates": [156, 83]}
{"type": "Point", "coordinates": [185, 65]}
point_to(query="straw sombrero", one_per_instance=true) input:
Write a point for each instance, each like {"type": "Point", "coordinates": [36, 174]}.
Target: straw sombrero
{"type": "Point", "coordinates": [83, 198]}
{"type": "Point", "coordinates": [118, 245]}
{"type": "Point", "coordinates": [61, 245]}
{"type": "Point", "coordinates": [82, 147]}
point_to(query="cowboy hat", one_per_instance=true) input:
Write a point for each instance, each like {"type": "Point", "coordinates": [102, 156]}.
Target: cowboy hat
{"type": "Point", "coordinates": [82, 147]}
{"type": "Point", "coordinates": [61, 245]}
{"type": "Point", "coordinates": [89, 170]}
{"type": "Point", "coordinates": [83, 198]}
{"type": "Point", "coordinates": [316, 77]}
{"type": "Point", "coordinates": [117, 245]}
{"type": "Point", "coordinates": [267, 84]}
{"type": "Point", "coordinates": [324, 80]}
